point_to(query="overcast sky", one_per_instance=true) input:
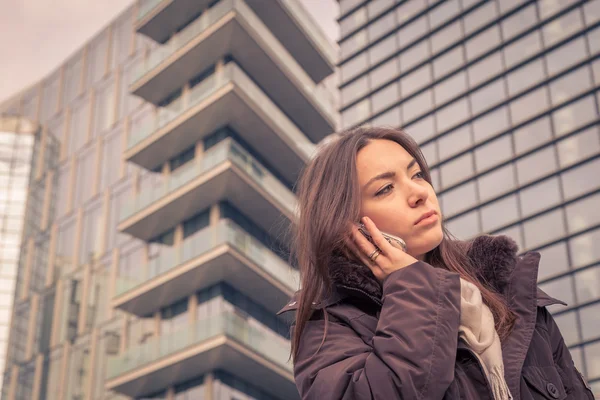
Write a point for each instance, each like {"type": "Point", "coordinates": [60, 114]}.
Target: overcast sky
{"type": "Point", "coordinates": [37, 35]}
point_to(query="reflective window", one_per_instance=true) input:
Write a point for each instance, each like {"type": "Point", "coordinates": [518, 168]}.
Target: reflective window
{"type": "Point", "coordinates": [591, 12]}
{"type": "Point", "coordinates": [382, 26]}
{"type": "Point", "coordinates": [481, 16]}
{"type": "Point", "coordinates": [457, 170]}
{"type": "Point", "coordinates": [490, 124]}
{"type": "Point", "coordinates": [353, 43]}
{"type": "Point", "coordinates": [496, 182]}
{"type": "Point", "coordinates": [499, 213]}
{"type": "Point", "coordinates": [529, 105]}
{"type": "Point", "coordinates": [485, 69]}
{"type": "Point", "coordinates": [382, 50]}
{"type": "Point", "coordinates": [536, 165]}
{"type": "Point", "coordinates": [466, 226]}
{"type": "Point", "coordinates": [544, 229]}
{"type": "Point", "coordinates": [417, 106]}
{"type": "Point", "coordinates": [409, 9]}
{"type": "Point", "coordinates": [50, 96]}
{"type": "Point", "coordinates": [507, 5]}
{"type": "Point", "coordinates": [97, 58]}
{"type": "Point", "coordinates": [561, 289]}
{"type": "Point", "coordinates": [122, 36]}
{"type": "Point", "coordinates": [532, 135]}
{"type": "Point", "coordinates": [452, 60]}
{"type": "Point", "coordinates": [72, 82]}
{"type": "Point", "coordinates": [416, 80]}
{"type": "Point", "coordinates": [483, 42]}
{"type": "Point", "coordinates": [553, 260]}
{"type": "Point", "coordinates": [539, 197]}
{"type": "Point", "coordinates": [562, 27]}
{"type": "Point", "coordinates": [452, 114]}
{"type": "Point", "coordinates": [455, 141]}
{"type": "Point", "coordinates": [593, 38]}
{"type": "Point", "coordinates": [384, 97]}
{"type": "Point", "coordinates": [584, 248]}
{"type": "Point", "coordinates": [91, 233]}
{"type": "Point", "coordinates": [570, 85]}
{"type": "Point", "coordinates": [79, 125]}
{"type": "Point", "coordinates": [590, 327]}
{"type": "Point", "coordinates": [595, 71]}
{"type": "Point", "coordinates": [579, 146]}
{"type": "Point", "coordinates": [493, 153]}
{"type": "Point", "coordinates": [414, 56]}
{"type": "Point", "coordinates": [582, 179]}
{"type": "Point", "coordinates": [389, 118]}
{"type": "Point", "coordinates": [347, 5]}
{"type": "Point", "coordinates": [354, 90]}
{"type": "Point", "coordinates": [450, 88]}
{"type": "Point", "coordinates": [519, 22]}
{"type": "Point", "coordinates": [355, 114]}
{"type": "Point", "coordinates": [550, 7]}
{"type": "Point", "coordinates": [565, 56]}
{"type": "Point", "coordinates": [384, 73]}
{"type": "Point", "coordinates": [353, 67]}
{"type": "Point", "coordinates": [446, 37]}
{"type": "Point", "coordinates": [522, 49]}
{"type": "Point", "coordinates": [85, 172]}
{"type": "Point", "coordinates": [459, 199]}
{"type": "Point", "coordinates": [413, 31]}
{"type": "Point", "coordinates": [422, 129]}
{"type": "Point", "coordinates": [430, 153]}
{"type": "Point", "coordinates": [442, 13]}
{"type": "Point", "coordinates": [488, 96]}
{"type": "Point", "coordinates": [575, 115]}
{"type": "Point", "coordinates": [104, 108]}
{"type": "Point", "coordinates": [583, 214]}
{"type": "Point", "coordinates": [588, 284]}
{"type": "Point", "coordinates": [525, 77]}
{"type": "Point", "coordinates": [353, 21]}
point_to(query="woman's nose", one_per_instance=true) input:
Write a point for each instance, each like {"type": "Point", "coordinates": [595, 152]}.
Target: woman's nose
{"type": "Point", "coordinates": [418, 195]}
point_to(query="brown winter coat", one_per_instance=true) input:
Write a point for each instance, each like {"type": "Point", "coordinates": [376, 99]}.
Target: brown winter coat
{"type": "Point", "coordinates": [399, 340]}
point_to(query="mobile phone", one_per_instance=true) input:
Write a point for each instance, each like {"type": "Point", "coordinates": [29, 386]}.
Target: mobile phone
{"type": "Point", "coordinates": [393, 240]}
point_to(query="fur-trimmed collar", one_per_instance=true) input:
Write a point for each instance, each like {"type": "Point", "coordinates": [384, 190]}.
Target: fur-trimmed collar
{"type": "Point", "coordinates": [493, 259]}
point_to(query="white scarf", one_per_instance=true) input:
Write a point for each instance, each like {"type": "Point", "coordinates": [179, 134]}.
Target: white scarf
{"type": "Point", "coordinates": [478, 331]}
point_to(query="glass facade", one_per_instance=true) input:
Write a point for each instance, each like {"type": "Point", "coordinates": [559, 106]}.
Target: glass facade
{"type": "Point", "coordinates": [95, 295]}
{"type": "Point", "coordinates": [503, 96]}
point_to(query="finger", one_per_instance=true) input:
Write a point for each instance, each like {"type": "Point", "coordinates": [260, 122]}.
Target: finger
{"type": "Point", "coordinates": [363, 244]}
{"type": "Point", "coordinates": [378, 238]}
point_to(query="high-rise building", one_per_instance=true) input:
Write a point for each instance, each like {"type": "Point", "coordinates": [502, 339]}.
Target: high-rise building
{"type": "Point", "coordinates": [503, 97]}
{"type": "Point", "coordinates": [157, 255]}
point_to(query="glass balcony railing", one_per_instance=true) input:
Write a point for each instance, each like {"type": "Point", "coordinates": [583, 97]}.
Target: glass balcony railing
{"type": "Point", "coordinates": [145, 6]}
{"type": "Point", "coordinates": [226, 232]}
{"type": "Point", "coordinates": [227, 150]}
{"type": "Point", "coordinates": [227, 323]}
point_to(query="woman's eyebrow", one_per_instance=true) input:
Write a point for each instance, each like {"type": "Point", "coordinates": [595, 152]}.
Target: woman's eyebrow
{"type": "Point", "coordinates": [388, 174]}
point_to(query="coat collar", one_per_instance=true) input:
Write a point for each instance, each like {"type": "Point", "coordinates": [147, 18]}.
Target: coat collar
{"type": "Point", "coordinates": [494, 260]}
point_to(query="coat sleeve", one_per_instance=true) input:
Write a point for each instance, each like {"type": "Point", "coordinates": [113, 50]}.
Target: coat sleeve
{"type": "Point", "coordinates": [575, 383]}
{"type": "Point", "coordinates": [411, 356]}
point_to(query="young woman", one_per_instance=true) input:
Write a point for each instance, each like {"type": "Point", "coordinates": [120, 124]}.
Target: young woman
{"type": "Point", "coordinates": [444, 320]}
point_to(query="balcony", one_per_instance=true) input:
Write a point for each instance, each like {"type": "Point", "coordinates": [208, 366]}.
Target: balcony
{"type": "Point", "coordinates": [225, 172]}
{"type": "Point", "coordinates": [221, 253]}
{"type": "Point", "coordinates": [231, 28]}
{"type": "Point", "coordinates": [228, 97]}
{"type": "Point", "coordinates": [225, 341]}
{"type": "Point", "coordinates": [287, 19]}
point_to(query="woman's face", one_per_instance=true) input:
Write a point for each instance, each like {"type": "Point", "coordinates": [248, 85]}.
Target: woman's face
{"type": "Point", "coordinates": [397, 198]}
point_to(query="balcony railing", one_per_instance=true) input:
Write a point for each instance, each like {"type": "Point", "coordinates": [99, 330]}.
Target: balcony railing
{"type": "Point", "coordinates": [203, 241]}
{"type": "Point", "coordinates": [227, 150]}
{"type": "Point", "coordinates": [227, 323]}
{"type": "Point", "coordinates": [145, 6]}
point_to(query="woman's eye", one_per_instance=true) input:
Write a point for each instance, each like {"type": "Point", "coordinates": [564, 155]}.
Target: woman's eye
{"type": "Point", "coordinates": [419, 174]}
{"type": "Point", "coordinates": [385, 190]}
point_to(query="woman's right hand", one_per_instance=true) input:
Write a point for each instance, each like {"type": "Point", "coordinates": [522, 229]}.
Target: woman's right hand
{"type": "Point", "coordinates": [390, 258]}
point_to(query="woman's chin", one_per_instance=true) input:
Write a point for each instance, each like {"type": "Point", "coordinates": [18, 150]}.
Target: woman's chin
{"type": "Point", "coordinates": [427, 241]}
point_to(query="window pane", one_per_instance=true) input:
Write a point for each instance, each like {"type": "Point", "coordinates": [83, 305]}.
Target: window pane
{"type": "Point", "coordinates": [490, 124]}
{"type": "Point", "coordinates": [499, 213]}
{"type": "Point", "coordinates": [50, 96]}
{"type": "Point", "coordinates": [525, 77]}
{"type": "Point", "coordinates": [408, 9]}
{"type": "Point", "coordinates": [413, 31]}
{"type": "Point", "coordinates": [416, 80]}
{"type": "Point", "coordinates": [448, 62]}
{"type": "Point", "coordinates": [353, 67]}
{"type": "Point", "coordinates": [382, 50]}
{"type": "Point", "coordinates": [382, 26]}
{"type": "Point", "coordinates": [356, 89]}
{"type": "Point", "coordinates": [384, 97]}
{"type": "Point", "coordinates": [455, 141]}
{"type": "Point", "coordinates": [443, 12]}
{"type": "Point", "coordinates": [583, 214]}
{"type": "Point", "coordinates": [588, 284]}
{"type": "Point", "coordinates": [536, 165]}
{"type": "Point", "coordinates": [590, 327]}
{"type": "Point", "coordinates": [553, 260]}
{"type": "Point", "coordinates": [79, 125]}
{"type": "Point", "coordinates": [97, 53]}
{"type": "Point", "coordinates": [570, 85]}
{"type": "Point", "coordinates": [493, 153]}
{"type": "Point", "coordinates": [384, 73]}
{"type": "Point", "coordinates": [413, 56]}
{"type": "Point", "coordinates": [584, 248]}
{"type": "Point", "coordinates": [446, 37]}
{"type": "Point", "coordinates": [452, 114]}
{"type": "Point", "coordinates": [591, 12]}
{"type": "Point", "coordinates": [355, 114]}
{"type": "Point", "coordinates": [543, 229]}
{"type": "Point", "coordinates": [457, 170]}
{"type": "Point", "coordinates": [566, 55]}
{"type": "Point", "coordinates": [466, 226]}
{"type": "Point", "coordinates": [532, 135]}
{"type": "Point", "coordinates": [488, 96]}
{"type": "Point", "coordinates": [459, 199]}
{"type": "Point", "coordinates": [422, 129]}
{"type": "Point", "coordinates": [481, 16]}
{"type": "Point", "coordinates": [354, 43]}
{"type": "Point", "coordinates": [529, 105]}
{"type": "Point", "coordinates": [592, 359]}
{"type": "Point", "coordinates": [353, 21]}
{"type": "Point", "coordinates": [578, 147]}
{"type": "Point", "coordinates": [496, 182]}
{"type": "Point", "coordinates": [104, 107]}
{"type": "Point", "coordinates": [519, 22]}
{"type": "Point", "coordinates": [450, 88]}
{"type": "Point", "coordinates": [485, 69]}
{"type": "Point", "coordinates": [593, 38]}
{"type": "Point", "coordinates": [417, 106]}
{"type": "Point", "coordinates": [562, 27]}
{"type": "Point", "coordinates": [575, 115]}
{"type": "Point", "coordinates": [540, 196]}
{"type": "Point", "coordinates": [561, 289]}
{"type": "Point", "coordinates": [522, 49]}
{"type": "Point", "coordinates": [582, 179]}
{"type": "Point", "coordinates": [483, 42]}
{"type": "Point", "coordinates": [389, 118]}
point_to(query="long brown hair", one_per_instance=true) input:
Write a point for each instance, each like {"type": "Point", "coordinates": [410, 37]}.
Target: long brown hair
{"type": "Point", "coordinates": [329, 198]}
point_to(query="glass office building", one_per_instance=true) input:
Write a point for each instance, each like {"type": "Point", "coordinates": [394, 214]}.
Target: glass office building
{"type": "Point", "coordinates": [503, 97]}
{"type": "Point", "coordinates": [157, 254]}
